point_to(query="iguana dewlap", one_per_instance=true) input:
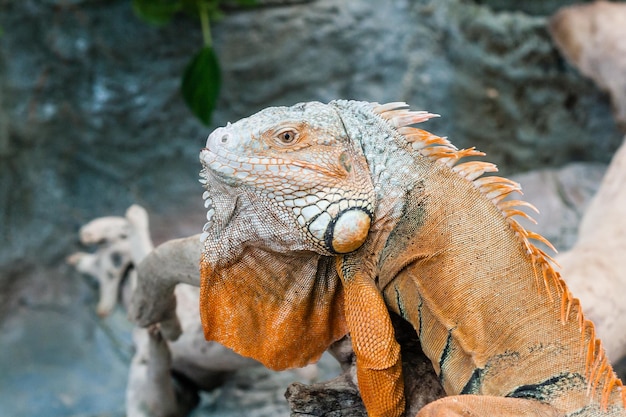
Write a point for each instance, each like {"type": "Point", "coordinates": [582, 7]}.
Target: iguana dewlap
{"type": "Point", "coordinates": [321, 217]}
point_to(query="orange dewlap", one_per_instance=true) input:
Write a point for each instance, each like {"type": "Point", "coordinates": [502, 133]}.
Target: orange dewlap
{"type": "Point", "coordinates": [281, 310]}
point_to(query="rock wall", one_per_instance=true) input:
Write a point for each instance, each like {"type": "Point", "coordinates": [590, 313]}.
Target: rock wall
{"type": "Point", "coordinates": [91, 121]}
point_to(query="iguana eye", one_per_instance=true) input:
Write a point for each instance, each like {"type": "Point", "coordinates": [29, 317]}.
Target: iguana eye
{"type": "Point", "coordinates": [287, 137]}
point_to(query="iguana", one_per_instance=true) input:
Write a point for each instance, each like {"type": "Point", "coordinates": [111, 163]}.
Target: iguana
{"type": "Point", "coordinates": [322, 217]}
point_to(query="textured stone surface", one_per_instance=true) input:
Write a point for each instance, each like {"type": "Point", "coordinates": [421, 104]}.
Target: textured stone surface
{"type": "Point", "coordinates": [96, 113]}
{"type": "Point", "coordinates": [91, 121]}
{"type": "Point", "coordinates": [495, 77]}
{"type": "Point", "coordinates": [592, 38]}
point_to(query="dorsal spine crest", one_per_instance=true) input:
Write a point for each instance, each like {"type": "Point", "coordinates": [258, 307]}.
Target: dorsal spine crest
{"type": "Point", "coordinates": [496, 189]}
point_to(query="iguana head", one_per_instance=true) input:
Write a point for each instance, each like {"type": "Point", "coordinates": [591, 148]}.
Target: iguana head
{"type": "Point", "coordinates": [301, 167]}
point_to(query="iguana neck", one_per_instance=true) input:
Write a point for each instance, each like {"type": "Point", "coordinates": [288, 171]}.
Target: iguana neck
{"type": "Point", "coordinates": [388, 155]}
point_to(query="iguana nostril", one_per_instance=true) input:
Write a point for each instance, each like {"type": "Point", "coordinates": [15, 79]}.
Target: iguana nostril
{"type": "Point", "coordinates": [225, 138]}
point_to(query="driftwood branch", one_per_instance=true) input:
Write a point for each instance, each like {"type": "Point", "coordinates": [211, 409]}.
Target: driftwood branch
{"type": "Point", "coordinates": [152, 391]}
{"type": "Point", "coordinates": [170, 264]}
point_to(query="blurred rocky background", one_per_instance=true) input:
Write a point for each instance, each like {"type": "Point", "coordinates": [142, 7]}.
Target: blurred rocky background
{"type": "Point", "coordinates": [91, 121]}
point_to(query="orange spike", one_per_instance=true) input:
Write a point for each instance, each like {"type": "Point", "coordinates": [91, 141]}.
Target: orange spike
{"type": "Point", "coordinates": [534, 264]}
{"type": "Point", "coordinates": [399, 118]}
{"type": "Point", "coordinates": [595, 368]}
{"type": "Point", "coordinates": [437, 152]}
{"type": "Point", "coordinates": [470, 152]}
{"type": "Point", "coordinates": [412, 134]}
{"type": "Point", "coordinates": [420, 139]}
{"type": "Point", "coordinates": [496, 191]}
{"type": "Point", "coordinates": [610, 382]}
{"type": "Point", "coordinates": [564, 310]}
{"type": "Point", "coordinates": [495, 200]}
{"type": "Point", "coordinates": [590, 348]}
{"type": "Point", "coordinates": [541, 251]}
{"type": "Point", "coordinates": [566, 307]}
{"type": "Point", "coordinates": [495, 179]}
{"type": "Point", "coordinates": [592, 369]}
{"type": "Point", "coordinates": [432, 141]}
{"type": "Point", "coordinates": [496, 186]}
{"type": "Point", "coordinates": [602, 369]}
{"type": "Point", "coordinates": [503, 205]}
{"type": "Point", "coordinates": [545, 268]}
{"type": "Point", "coordinates": [397, 112]}
{"type": "Point", "coordinates": [455, 156]}
{"type": "Point", "coordinates": [581, 317]}
{"type": "Point", "coordinates": [472, 170]}
{"type": "Point", "coordinates": [581, 326]}
{"type": "Point", "coordinates": [382, 108]}
{"type": "Point", "coordinates": [582, 336]}
{"type": "Point", "coordinates": [516, 212]}
{"type": "Point", "coordinates": [558, 281]}
{"type": "Point", "coordinates": [519, 229]}
{"type": "Point", "coordinates": [537, 236]}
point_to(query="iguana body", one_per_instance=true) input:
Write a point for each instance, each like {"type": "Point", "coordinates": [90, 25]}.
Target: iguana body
{"type": "Point", "coordinates": [323, 217]}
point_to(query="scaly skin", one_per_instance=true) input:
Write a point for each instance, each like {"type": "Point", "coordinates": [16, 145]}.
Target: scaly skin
{"type": "Point", "coordinates": [323, 217]}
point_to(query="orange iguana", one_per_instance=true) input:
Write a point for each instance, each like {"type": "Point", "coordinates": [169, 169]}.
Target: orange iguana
{"type": "Point", "coordinates": [321, 217]}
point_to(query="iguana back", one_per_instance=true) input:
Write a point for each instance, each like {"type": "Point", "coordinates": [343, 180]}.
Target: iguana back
{"type": "Point", "coordinates": [409, 228]}
{"type": "Point", "coordinates": [492, 315]}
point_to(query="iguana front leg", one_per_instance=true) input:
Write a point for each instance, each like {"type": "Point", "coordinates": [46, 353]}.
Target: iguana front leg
{"type": "Point", "coordinates": [379, 367]}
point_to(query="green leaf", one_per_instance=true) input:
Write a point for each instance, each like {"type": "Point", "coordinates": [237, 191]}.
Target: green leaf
{"type": "Point", "coordinates": [157, 12]}
{"type": "Point", "coordinates": [201, 84]}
